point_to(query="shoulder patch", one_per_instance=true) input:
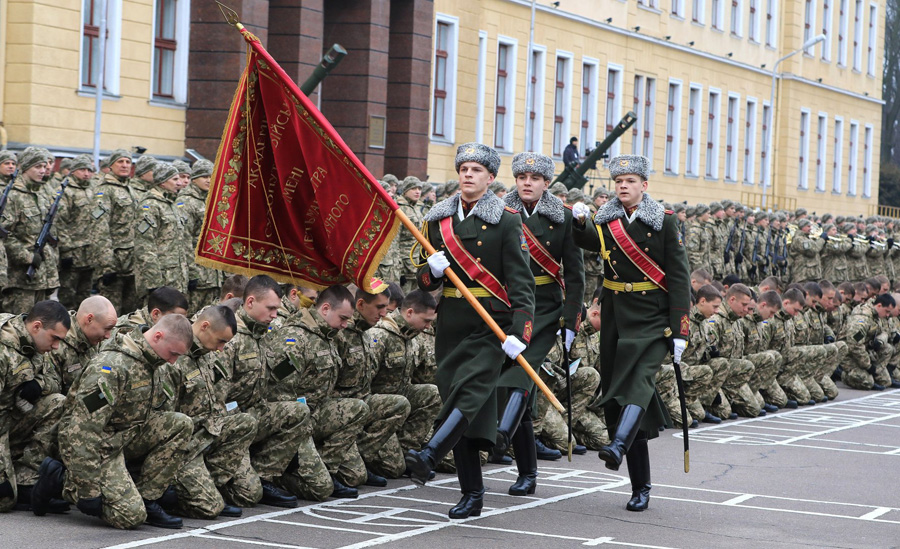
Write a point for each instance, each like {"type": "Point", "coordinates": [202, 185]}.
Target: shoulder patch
{"type": "Point", "coordinates": [522, 242]}
{"type": "Point", "coordinates": [510, 210]}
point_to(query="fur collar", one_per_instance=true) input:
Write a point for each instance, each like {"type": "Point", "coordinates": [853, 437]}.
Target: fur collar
{"type": "Point", "coordinates": [649, 211]}
{"type": "Point", "coordinates": [549, 206]}
{"type": "Point", "coordinates": [488, 209]}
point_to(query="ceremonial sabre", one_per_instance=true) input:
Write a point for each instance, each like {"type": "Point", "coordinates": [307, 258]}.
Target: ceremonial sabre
{"type": "Point", "coordinates": [681, 400]}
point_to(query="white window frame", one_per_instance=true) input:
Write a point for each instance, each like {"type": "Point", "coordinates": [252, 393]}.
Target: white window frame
{"type": "Point", "coordinates": [698, 12]}
{"type": "Point", "coordinates": [753, 21]}
{"type": "Point", "coordinates": [750, 142]}
{"type": "Point", "coordinates": [764, 161]}
{"type": "Point", "coordinates": [717, 19]}
{"type": "Point", "coordinates": [732, 136]}
{"type": "Point", "coordinates": [616, 112]}
{"type": "Point", "coordinates": [112, 63]}
{"type": "Point", "coordinates": [590, 133]}
{"type": "Point", "coordinates": [827, 23]}
{"type": "Point", "coordinates": [857, 34]}
{"type": "Point", "coordinates": [678, 9]}
{"type": "Point", "coordinates": [539, 75]}
{"type": "Point", "coordinates": [867, 160]}
{"type": "Point", "coordinates": [852, 169]}
{"type": "Point", "coordinates": [637, 141]}
{"type": "Point", "coordinates": [673, 127]}
{"type": "Point", "coordinates": [803, 175]}
{"type": "Point", "coordinates": [449, 118]}
{"type": "Point", "coordinates": [837, 177]}
{"type": "Point", "coordinates": [649, 115]}
{"type": "Point", "coordinates": [873, 36]}
{"type": "Point", "coordinates": [809, 25]}
{"type": "Point", "coordinates": [481, 86]}
{"type": "Point", "coordinates": [736, 21]}
{"type": "Point", "coordinates": [694, 131]}
{"type": "Point", "coordinates": [713, 132]}
{"type": "Point", "coordinates": [821, 150]}
{"type": "Point", "coordinates": [843, 29]}
{"type": "Point", "coordinates": [771, 23]}
{"type": "Point", "coordinates": [509, 119]}
{"type": "Point", "coordinates": [182, 52]}
{"type": "Point", "coordinates": [565, 133]}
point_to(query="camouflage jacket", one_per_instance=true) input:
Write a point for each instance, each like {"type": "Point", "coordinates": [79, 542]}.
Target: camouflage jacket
{"type": "Point", "coordinates": [161, 244]}
{"type": "Point", "coordinates": [800, 329]}
{"type": "Point", "coordinates": [119, 202]}
{"type": "Point", "coordinates": [861, 328]}
{"type": "Point", "coordinates": [303, 359]}
{"type": "Point", "coordinates": [427, 363]}
{"type": "Point", "coordinates": [23, 217]}
{"type": "Point", "coordinates": [405, 239]}
{"type": "Point", "coordinates": [109, 406]}
{"type": "Point", "coordinates": [782, 332]}
{"type": "Point", "coordinates": [194, 212]}
{"type": "Point", "coordinates": [286, 310]}
{"type": "Point", "coordinates": [727, 333]}
{"type": "Point", "coordinates": [817, 326]}
{"type": "Point", "coordinates": [758, 334]}
{"type": "Point", "coordinates": [698, 339]}
{"type": "Point", "coordinates": [127, 323]}
{"type": "Point", "coordinates": [139, 187]}
{"type": "Point", "coordinates": [357, 366]}
{"type": "Point", "coordinates": [18, 363]}
{"type": "Point", "coordinates": [68, 361]}
{"type": "Point", "coordinates": [244, 364]}
{"type": "Point", "coordinates": [83, 234]}
{"type": "Point", "coordinates": [805, 261]}
{"type": "Point", "coordinates": [395, 354]}
{"type": "Point", "coordinates": [194, 377]}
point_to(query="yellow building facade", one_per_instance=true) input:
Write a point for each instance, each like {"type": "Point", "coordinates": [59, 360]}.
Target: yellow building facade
{"type": "Point", "coordinates": [698, 74]}
{"type": "Point", "coordinates": [46, 69]}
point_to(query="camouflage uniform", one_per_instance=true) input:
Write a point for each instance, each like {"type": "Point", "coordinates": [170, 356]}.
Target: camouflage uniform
{"type": "Point", "coordinates": [378, 443]}
{"type": "Point", "coordinates": [758, 334]}
{"type": "Point", "coordinates": [304, 363]}
{"type": "Point", "coordinates": [858, 269]}
{"type": "Point", "coordinates": [717, 237]}
{"type": "Point", "coordinates": [820, 333]}
{"type": "Point", "coordinates": [815, 354]}
{"type": "Point", "coordinates": [405, 241]}
{"type": "Point", "coordinates": [162, 244]}
{"type": "Point", "coordinates": [83, 242]}
{"type": "Point", "coordinates": [217, 457]}
{"type": "Point", "coordinates": [209, 282]}
{"type": "Point", "coordinates": [804, 257]}
{"type": "Point", "coordinates": [874, 259]}
{"type": "Point", "coordinates": [113, 414]}
{"type": "Point", "coordinates": [23, 217]}
{"type": "Point", "coordinates": [698, 243]}
{"type": "Point", "coordinates": [68, 361]}
{"type": "Point", "coordinates": [783, 342]}
{"type": "Point", "coordinates": [862, 333]}
{"type": "Point", "coordinates": [728, 334]}
{"type": "Point", "coordinates": [389, 269]}
{"type": "Point", "coordinates": [282, 427]}
{"type": "Point", "coordinates": [127, 323]}
{"type": "Point", "coordinates": [835, 265]}
{"type": "Point", "coordinates": [695, 372]}
{"type": "Point", "coordinates": [427, 366]}
{"type": "Point", "coordinates": [119, 203]}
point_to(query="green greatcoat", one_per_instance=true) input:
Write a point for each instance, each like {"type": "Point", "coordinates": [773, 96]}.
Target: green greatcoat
{"type": "Point", "coordinates": [633, 344]}
{"type": "Point", "coordinates": [551, 223]}
{"type": "Point", "coordinates": [468, 354]}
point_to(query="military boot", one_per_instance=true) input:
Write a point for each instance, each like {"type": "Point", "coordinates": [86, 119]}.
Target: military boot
{"type": "Point", "coordinates": [547, 454]}
{"type": "Point", "coordinates": [468, 470]}
{"type": "Point", "coordinates": [626, 431]}
{"type": "Point", "coordinates": [512, 416]}
{"type": "Point", "coordinates": [526, 460]}
{"type": "Point", "coordinates": [46, 495]}
{"type": "Point", "coordinates": [638, 461]}
{"type": "Point", "coordinates": [274, 496]}
{"type": "Point", "coordinates": [231, 511]}
{"type": "Point", "coordinates": [343, 491]}
{"type": "Point", "coordinates": [156, 516]}
{"type": "Point", "coordinates": [422, 463]}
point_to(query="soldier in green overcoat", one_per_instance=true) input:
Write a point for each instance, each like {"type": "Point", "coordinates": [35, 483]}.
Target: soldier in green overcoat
{"type": "Point", "coordinates": [482, 241]}
{"type": "Point", "coordinates": [642, 307]}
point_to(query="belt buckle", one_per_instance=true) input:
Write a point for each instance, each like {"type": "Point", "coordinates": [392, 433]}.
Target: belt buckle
{"type": "Point", "coordinates": [457, 293]}
{"type": "Point", "coordinates": [628, 287]}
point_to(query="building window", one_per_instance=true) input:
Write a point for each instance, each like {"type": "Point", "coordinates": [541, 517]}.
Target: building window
{"type": "Point", "coordinates": [481, 86]}
{"type": "Point", "coordinates": [164, 47]}
{"type": "Point", "coordinates": [838, 174]}
{"type": "Point", "coordinates": [717, 9]}
{"type": "Point", "coordinates": [561, 104]}
{"type": "Point", "coordinates": [821, 151]}
{"type": "Point", "coordinates": [763, 157]}
{"type": "Point", "coordinates": [731, 138]}
{"type": "Point", "coordinates": [737, 20]}
{"type": "Point", "coordinates": [867, 163]}
{"type": "Point", "coordinates": [712, 135]}
{"type": "Point", "coordinates": [870, 56]}
{"type": "Point", "coordinates": [613, 104]}
{"type": "Point", "coordinates": [636, 135]}
{"type": "Point", "coordinates": [649, 113]}
{"type": "Point", "coordinates": [534, 121]}
{"type": "Point", "coordinates": [857, 35]}
{"type": "Point", "coordinates": [753, 30]}
{"type": "Point", "coordinates": [444, 80]}
{"type": "Point", "coordinates": [678, 8]}
{"type": "Point", "coordinates": [827, 16]}
{"type": "Point", "coordinates": [692, 156]}
{"type": "Point", "coordinates": [854, 157]}
{"type": "Point", "coordinates": [673, 127]}
{"type": "Point", "coordinates": [90, 45]}
{"type": "Point", "coordinates": [803, 176]}
{"type": "Point", "coordinates": [697, 11]}
{"type": "Point", "coordinates": [771, 23]}
{"type": "Point", "coordinates": [842, 32]}
{"type": "Point", "coordinates": [504, 99]}
{"type": "Point", "coordinates": [750, 143]}
{"type": "Point", "coordinates": [588, 132]}
{"type": "Point", "coordinates": [809, 24]}
{"type": "Point", "coordinates": [648, 3]}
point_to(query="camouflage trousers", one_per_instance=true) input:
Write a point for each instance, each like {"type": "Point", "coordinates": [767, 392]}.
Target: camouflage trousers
{"type": "Point", "coordinates": [823, 373]}
{"type": "Point", "coordinates": [75, 286]}
{"type": "Point", "coordinates": [211, 461]}
{"type": "Point", "coordinates": [20, 300]}
{"type": "Point", "coordinates": [591, 281]}
{"type": "Point", "coordinates": [588, 427]}
{"type": "Point", "coordinates": [425, 403]}
{"type": "Point", "coordinates": [7, 475]}
{"type": "Point", "coordinates": [155, 455]}
{"type": "Point", "coordinates": [789, 376]}
{"type": "Point", "coordinates": [202, 297]}
{"type": "Point", "coordinates": [696, 377]}
{"type": "Point", "coordinates": [33, 436]}
{"type": "Point", "coordinates": [735, 394]}
{"type": "Point", "coordinates": [280, 426]}
{"type": "Point", "coordinates": [121, 292]}
{"type": "Point", "coordinates": [766, 365]}
{"type": "Point", "coordinates": [806, 368]}
{"type": "Point", "coordinates": [337, 424]}
{"type": "Point", "coordinates": [378, 443]}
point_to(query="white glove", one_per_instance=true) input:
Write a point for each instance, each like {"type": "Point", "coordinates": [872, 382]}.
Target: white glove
{"type": "Point", "coordinates": [512, 347]}
{"type": "Point", "coordinates": [438, 263]}
{"type": "Point", "coordinates": [580, 210]}
{"type": "Point", "coordinates": [570, 337]}
{"type": "Point", "coordinates": [679, 345]}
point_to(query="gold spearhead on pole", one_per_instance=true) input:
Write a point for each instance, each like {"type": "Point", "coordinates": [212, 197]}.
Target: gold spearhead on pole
{"type": "Point", "coordinates": [231, 16]}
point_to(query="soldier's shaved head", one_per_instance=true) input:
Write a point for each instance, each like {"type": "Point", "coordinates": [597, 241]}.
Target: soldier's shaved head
{"type": "Point", "coordinates": [214, 327]}
{"type": "Point", "coordinates": [96, 305]}
{"type": "Point", "coordinates": [170, 337]}
{"type": "Point", "coordinates": [96, 316]}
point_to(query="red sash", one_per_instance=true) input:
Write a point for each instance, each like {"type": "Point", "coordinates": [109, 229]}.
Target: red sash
{"type": "Point", "coordinates": [641, 260]}
{"type": "Point", "coordinates": [473, 268]}
{"type": "Point", "coordinates": [543, 257]}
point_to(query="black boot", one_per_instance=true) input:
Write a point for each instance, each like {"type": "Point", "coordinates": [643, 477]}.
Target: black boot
{"type": "Point", "coordinates": [638, 461]}
{"type": "Point", "coordinates": [343, 491]}
{"type": "Point", "coordinates": [274, 496]}
{"type": "Point", "coordinates": [156, 516]}
{"type": "Point", "coordinates": [627, 428]}
{"type": "Point", "coordinates": [47, 491]}
{"type": "Point", "coordinates": [231, 511]}
{"type": "Point", "coordinates": [547, 454]}
{"type": "Point", "coordinates": [709, 418]}
{"type": "Point", "coordinates": [375, 480]}
{"type": "Point", "coordinates": [422, 463]}
{"type": "Point", "coordinates": [468, 470]}
{"type": "Point", "coordinates": [512, 416]}
{"type": "Point", "coordinates": [169, 499]}
{"type": "Point", "coordinates": [526, 460]}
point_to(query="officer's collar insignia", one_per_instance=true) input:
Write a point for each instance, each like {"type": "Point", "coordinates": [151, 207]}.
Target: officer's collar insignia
{"type": "Point", "coordinates": [549, 206]}
{"type": "Point", "coordinates": [488, 209]}
{"type": "Point", "coordinates": [649, 211]}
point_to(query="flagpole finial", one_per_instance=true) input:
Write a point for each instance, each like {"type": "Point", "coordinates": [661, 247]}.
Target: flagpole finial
{"type": "Point", "coordinates": [231, 16]}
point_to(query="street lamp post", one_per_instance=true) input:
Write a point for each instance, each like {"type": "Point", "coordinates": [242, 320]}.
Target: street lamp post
{"type": "Point", "coordinates": [773, 117]}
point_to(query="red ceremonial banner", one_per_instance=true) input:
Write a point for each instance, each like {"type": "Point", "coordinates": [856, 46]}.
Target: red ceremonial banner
{"type": "Point", "coordinates": [288, 197]}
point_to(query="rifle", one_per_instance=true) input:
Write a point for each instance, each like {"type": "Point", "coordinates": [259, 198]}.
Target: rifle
{"type": "Point", "coordinates": [730, 244]}
{"type": "Point", "coordinates": [45, 235]}
{"type": "Point", "coordinates": [739, 258]}
{"type": "Point", "coordinates": [4, 198]}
